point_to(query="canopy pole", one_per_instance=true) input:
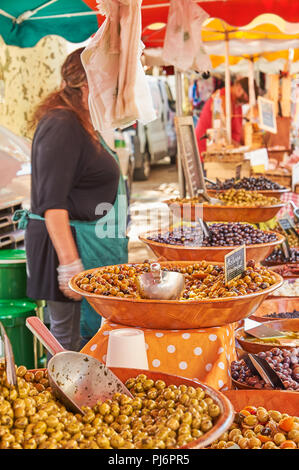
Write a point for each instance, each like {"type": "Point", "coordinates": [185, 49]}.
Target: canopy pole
{"type": "Point", "coordinates": [179, 112]}
{"type": "Point", "coordinates": [227, 91]}
{"type": "Point", "coordinates": [252, 99]}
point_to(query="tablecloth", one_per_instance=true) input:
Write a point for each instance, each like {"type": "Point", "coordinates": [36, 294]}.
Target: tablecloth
{"type": "Point", "coordinates": [286, 198]}
{"type": "Point", "coordinates": [202, 354]}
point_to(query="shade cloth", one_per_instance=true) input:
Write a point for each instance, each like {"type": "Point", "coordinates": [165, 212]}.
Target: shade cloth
{"type": "Point", "coordinates": [203, 354]}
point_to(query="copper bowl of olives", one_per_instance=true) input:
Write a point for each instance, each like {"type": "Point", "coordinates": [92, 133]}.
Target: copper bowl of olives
{"type": "Point", "coordinates": [285, 362]}
{"type": "Point", "coordinates": [265, 419]}
{"type": "Point", "coordinates": [222, 213]}
{"type": "Point", "coordinates": [157, 417]}
{"type": "Point", "coordinates": [173, 314]}
{"type": "Point", "coordinates": [276, 309]}
{"type": "Point", "coordinates": [226, 415]}
{"type": "Point", "coordinates": [277, 193]}
{"type": "Point", "coordinates": [172, 252]}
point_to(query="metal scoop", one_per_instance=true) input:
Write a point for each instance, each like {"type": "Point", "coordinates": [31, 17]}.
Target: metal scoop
{"type": "Point", "coordinates": [76, 379]}
{"type": "Point", "coordinates": [262, 331]}
{"type": "Point", "coordinates": [295, 210]}
{"type": "Point", "coordinates": [11, 375]}
{"type": "Point", "coordinates": [161, 285]}
{"type": "Point", "coordinates": [211, 200]}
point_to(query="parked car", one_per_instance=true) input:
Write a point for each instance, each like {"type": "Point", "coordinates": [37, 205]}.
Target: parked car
{"type": "Point", "coordinates": [157, 139]}
{"type": "Point", "coordinates": [15, 167]}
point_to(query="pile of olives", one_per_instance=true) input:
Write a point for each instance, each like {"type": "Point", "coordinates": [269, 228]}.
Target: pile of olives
{"type": "Point", "coordinates": [157, 417]}
{"type": "Point", "coordinates": [234, 198]}
{"type": "Point", "coordinates": [285, 363]}
{"type": "Point", "coordinates": [244, 198]}
{"type": "Point", "coordinates": [250, 183]}
{"type": "Point", "coordinates": [259, 428]}
{"type": "Point", "coordinates": [278, 257]}
{"type": "Point", "coordinates": [221, 234]}
{"type": "Point", "coordinates": [202, 280]}
{"type": "Point", "coordinates": [290, 315]}
{"type": "Point", "coordinates": [292, 238]}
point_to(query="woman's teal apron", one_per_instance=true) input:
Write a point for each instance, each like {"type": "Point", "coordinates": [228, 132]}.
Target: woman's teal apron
{"type": "Point", "coordinates": [102, 242]}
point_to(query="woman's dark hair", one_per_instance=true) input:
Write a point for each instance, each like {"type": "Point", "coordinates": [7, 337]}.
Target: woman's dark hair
{"type": "Point", "coordinates": [70, 95]}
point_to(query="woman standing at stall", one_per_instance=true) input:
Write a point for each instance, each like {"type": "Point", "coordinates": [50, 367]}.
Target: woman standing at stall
{"type": "Point", "coordinates": [78, 206]}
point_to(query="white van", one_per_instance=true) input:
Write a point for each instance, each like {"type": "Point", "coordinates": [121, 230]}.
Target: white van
{"type": "Point", "coordinates": [157, 139]}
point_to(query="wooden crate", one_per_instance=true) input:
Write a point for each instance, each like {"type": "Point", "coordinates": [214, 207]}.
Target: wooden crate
{"type": "Point", "coordinates": [225, 170]}
{"type": "Point", "coordinates": [253, 136]}
{"type": "Point", "coordinates": [282, 179]}
{"type": "Point", "coordinates": [223, 157]}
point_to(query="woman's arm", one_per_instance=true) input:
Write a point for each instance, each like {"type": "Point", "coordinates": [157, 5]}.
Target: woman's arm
{"type": "Point", "coordinates": [57, 223]}
{"type": "Point", "coordinates": [58, 226]}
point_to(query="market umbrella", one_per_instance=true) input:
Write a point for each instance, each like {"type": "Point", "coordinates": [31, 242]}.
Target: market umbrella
{"type": "Point", "coordinates": [227, 44]}
{"type": "Point", "coordinates": [24, 22]}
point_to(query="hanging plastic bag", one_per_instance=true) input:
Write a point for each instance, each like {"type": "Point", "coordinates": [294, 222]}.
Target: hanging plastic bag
{"type": "Point", "coordinates": [183, 46]}
{"type": "Point", "coordinates": [118, 91]}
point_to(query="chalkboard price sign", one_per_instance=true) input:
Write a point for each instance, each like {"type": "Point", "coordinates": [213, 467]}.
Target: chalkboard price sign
{"type": "Point", "coordinates": [287, 224]}
{"type": "Point", "coordinates": [234, 263]}
{"type": "Point", "coordinates": [267, 117]}
{"type": "Point", "coordinates": [190, 156]}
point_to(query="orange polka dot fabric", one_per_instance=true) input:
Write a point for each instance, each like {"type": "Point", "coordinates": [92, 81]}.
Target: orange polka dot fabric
{"type": "Point", "coordinates": [202, 354]}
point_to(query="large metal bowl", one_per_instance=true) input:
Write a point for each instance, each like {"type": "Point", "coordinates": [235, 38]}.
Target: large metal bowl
{"type": "Point", "coordinates": [172, 314]}
{"type": "Point", "coordinates": [218, 213]}
{"type": "Point", "coordinates": [257, 252]}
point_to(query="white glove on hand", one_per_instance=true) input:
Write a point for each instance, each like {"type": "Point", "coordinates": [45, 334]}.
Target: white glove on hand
{"type": "Point", "coordinates": [65, 273]}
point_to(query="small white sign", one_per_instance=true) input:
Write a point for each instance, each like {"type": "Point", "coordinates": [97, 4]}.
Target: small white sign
{"type": "Point", "coordinates": [258, 157]}
{"type": "Point", "coordinates": [295, 175]}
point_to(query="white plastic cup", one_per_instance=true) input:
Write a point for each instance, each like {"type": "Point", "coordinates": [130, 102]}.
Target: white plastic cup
{"type": "Point", "coordinates": [126, 348]}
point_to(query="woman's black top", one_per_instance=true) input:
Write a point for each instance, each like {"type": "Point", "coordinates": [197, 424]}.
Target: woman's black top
{"type": "Point", "coordinates": [69, 171]}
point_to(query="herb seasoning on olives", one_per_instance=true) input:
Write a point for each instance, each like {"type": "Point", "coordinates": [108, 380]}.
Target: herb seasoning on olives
{"type": "Point", "coordinates": [202, 280]}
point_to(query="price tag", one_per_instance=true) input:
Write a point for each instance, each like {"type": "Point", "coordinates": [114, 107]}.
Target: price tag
{"type": "Point", "coordinates": [238, 172]}
{"type": "Point", "coordinates": [287, 224]}
{"type": "Point", "coordinates": [234, 263]}
{"type": "Point", "coordinates": [259, 160]}
{"type": "Point", "coordinates": [295, 175]}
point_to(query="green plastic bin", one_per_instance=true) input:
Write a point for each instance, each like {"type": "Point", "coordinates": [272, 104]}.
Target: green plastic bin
{"type": "Point", "coordinates": [13, 314]}
{"type": "Point", "coordinates": [13, 277]}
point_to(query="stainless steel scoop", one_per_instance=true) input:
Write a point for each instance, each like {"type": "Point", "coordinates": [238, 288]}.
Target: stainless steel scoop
{"type": "Point", "coordinates": [295, 210]}
{"type": "Point", "coordinates": [76, 379]}
{"type": "Point", "coordinates": [161, 285]}
{"type": "Point", "coordinates": [11, 375]}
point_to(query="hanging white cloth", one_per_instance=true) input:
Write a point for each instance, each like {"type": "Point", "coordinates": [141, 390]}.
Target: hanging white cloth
{"type": "Point", "coordinates": [118, 91]}
{"type": "Point", "coordinates": [183, 45]}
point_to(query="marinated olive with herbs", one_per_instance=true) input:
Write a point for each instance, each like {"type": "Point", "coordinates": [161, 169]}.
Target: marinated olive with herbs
{"type": "Point", "coordinates": [202, 280]}
{"type": "Point", "coordinates": [235, 198]}
{"type": "Point", "coordinates": [259, 428]}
